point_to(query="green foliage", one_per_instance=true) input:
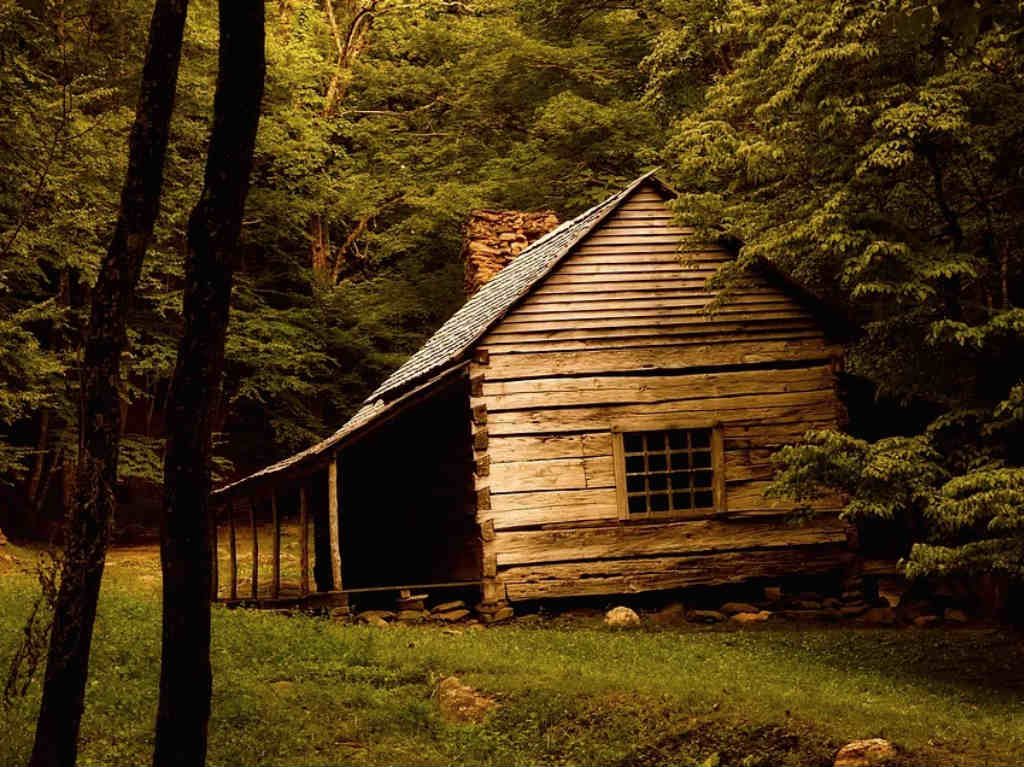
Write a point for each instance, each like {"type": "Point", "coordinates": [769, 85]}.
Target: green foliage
{"type": "Point", "coordinates": [874, 152]}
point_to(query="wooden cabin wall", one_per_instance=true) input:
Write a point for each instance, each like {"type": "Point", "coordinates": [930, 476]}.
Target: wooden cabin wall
{"type": "Point", "coordinates": [618, 332]}
{"type": "Point", "coordinates": [406, 499]}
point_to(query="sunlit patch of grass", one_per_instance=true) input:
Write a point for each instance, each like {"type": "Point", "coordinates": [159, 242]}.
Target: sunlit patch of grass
{"type": "Point", "coordinates": [301, 690]}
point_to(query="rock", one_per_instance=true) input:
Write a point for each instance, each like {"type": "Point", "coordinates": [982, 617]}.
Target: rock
{"type": "Point", "coordinates": [852, 596]}
{"type": "Point", "coordinates": [3, 538]}
{"type": "Point", "coordinates": [705, 616]}
{"type": "Point", "coordinates": [879, 616]}
{"type": "Point", "coordinates": [340, 613]}
{"type": "Point", "coordinates": [674, 612]}
{"type": "Point", "coordinates": [832, 603]}
{"type": "Point", "coordinates": [368, 616]}
{"type": "Point", "coordinates": [732, 608]}
{"type": "Point", "coordinates": [865, 753]}
{"type": "Point", "coordinates": [924, 621]}
{"type": "Point", "coordinates": [772, 593]}
{"type": "Point", "coordinates": [475, 626]}
{"type": "Point", "coordinates": [451, 616]}
{"type": "Point", "coordinates": [758, 617]}
{"type": "Point", "coordinates": [376, 622]}
{"type": "Point", "coordinates": [619, 617]}
{"type": "Point", "coordinates": [447, 607]}
{"type": "Point", "coordinates": [853, 609]}
{"type": "Point", "coordinates": [498, 616]}
{"type": "Point", "coordinates": [955, 616]}
{"type": "Point", "coordinates": [461, 703]}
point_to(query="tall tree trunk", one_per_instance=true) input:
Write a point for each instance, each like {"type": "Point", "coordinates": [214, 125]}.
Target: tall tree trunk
{"type": "Point", "coordinates": [88, 528]}
{"type": "Point", "coordinates": [187, 528]}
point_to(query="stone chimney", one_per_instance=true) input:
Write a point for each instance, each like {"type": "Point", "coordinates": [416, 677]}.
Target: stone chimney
{"type": "Point", "coordinates": [494, 237]}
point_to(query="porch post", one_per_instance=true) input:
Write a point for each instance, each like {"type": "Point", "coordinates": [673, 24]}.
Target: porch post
{"type": "Point", "coordinates": [335, 525]}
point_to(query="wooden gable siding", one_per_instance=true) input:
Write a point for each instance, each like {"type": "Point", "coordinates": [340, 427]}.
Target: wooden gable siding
{"type": "Point", "coordinates": [618, 332]}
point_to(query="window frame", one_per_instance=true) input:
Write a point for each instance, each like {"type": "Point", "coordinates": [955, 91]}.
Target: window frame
{"type": "Point", "coordinates": [618, 431]}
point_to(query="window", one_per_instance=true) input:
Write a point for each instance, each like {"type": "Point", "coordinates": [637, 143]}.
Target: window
{"type": "Point", "coordinates": [669, 472]}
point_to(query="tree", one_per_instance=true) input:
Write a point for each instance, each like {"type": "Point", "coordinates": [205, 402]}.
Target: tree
{"type": "Point", "coordinates": [187, 531]}
{"type": "Point", "coordinates": [88, 528]}
{"type": "Point", "coordinates": [874, 151]}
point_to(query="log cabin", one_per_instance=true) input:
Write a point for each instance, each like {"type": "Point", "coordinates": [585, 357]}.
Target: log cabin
{"type": "Point", "coordinates": [583, 425]}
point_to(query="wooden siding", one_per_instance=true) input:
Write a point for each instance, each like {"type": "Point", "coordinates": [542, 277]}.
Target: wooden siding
{"type": "Point", "coordinates": [618, 333]}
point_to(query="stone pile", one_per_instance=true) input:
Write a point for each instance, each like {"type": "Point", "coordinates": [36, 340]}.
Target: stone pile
{"type": "Point", "coordinates": [850, 605]}
{"type": "Point", "coordinates": [494, 612]}
{"type": "Point", "coordinates": [413, 609]}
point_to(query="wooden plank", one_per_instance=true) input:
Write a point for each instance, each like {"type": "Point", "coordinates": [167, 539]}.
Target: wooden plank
{"type": "Point", "coordinates": [254, 531]}
{"type": "Point", "coordinates": [623, 576]}
{"type": "Point", "coordinates": [602, 509]}
{"type": "Point", "coordinates": [659, 392]}
{"type": "Point", "coordinates": [669, 323]}
{"type": "Point", "coordinates": [595, 390]}
{"type": "Point", "coordinates": [752, 408]}
{"type": "Point", "coordinates": [612, 238]}
{"type": "Point", "coordinates": [303, 540]}
{"type": "Point", "coordinates": [276, 548]}
{"type": "Point", "coordinates": [620, 313]}
{"type": "Point", "coordinates": [748, 496]}
{"type": "Point", "coordinates": [542, 447]}
{"type": "Point", "coordinates": [575, 284]}
{"type": "Point", "coordinates": [555, 474]}
{"type": "Point", "coordinates": [587, 299]}
{"type": "Point", "coordinates": [641, 278]}
{"type": "Point", "coordinates": [233, 549]}
{"type": "Point", "coordinates": [651, 336]}
{"type": "Point", "coordinates": [334, 522]}
{"type": "Point", "coordinates": [506, 366]}
{"type": "Point", "coordinates": [550, 499]}
{"type": "Point", "coordinates": [640, 268]}
{"type": "Point", "coordinates": [651, 539]}
{"type": "Point", "coordinates": [586, 313]}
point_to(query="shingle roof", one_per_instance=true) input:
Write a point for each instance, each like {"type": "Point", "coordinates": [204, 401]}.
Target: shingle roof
{"type": "Point", "coordinates": [446, 348]}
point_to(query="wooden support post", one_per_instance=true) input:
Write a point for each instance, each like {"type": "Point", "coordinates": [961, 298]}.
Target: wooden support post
{"type": "Point", "coordinates": [233, 549]}
{"type": "Point", "coordinates": [334, 522]}
{"type": "Point", "coordinates": [255, 549]}
{"type": "Point", "coordinates": [276, 582]}
{"type": "Point", "coordinates": [303, 540]}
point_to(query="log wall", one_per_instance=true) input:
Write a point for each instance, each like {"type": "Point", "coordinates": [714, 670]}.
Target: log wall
{"type": "Point", "coordinates": [618, 334]}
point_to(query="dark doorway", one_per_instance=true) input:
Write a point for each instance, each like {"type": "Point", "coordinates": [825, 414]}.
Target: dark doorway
{"type": "Point", "coordinates": [407, 506]}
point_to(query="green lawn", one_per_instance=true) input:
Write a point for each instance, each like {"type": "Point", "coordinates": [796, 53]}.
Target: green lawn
{"type": "Point", "coordinates": [307, 691]}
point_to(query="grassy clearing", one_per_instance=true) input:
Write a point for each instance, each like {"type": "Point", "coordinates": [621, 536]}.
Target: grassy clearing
{"type": "Point", "coordinates": [306, 691]}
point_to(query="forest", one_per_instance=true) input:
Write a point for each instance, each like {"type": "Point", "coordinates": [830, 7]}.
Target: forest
{"type": "Point", "coordinates": [873, 152]}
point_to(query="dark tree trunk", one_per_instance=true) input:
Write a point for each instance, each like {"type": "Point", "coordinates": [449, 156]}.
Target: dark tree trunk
{"type": "Point", "coordinates": [187, 528]}
{"type": "Point", "coordinates": [91, 513]}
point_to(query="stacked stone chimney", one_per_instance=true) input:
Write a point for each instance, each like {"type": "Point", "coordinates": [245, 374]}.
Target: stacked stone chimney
{"type": "Point", "coordinates": [495, 237]}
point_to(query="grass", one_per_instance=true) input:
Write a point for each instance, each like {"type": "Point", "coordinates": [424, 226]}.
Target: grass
{"type": "Point", "coordinates": [299, 690]}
